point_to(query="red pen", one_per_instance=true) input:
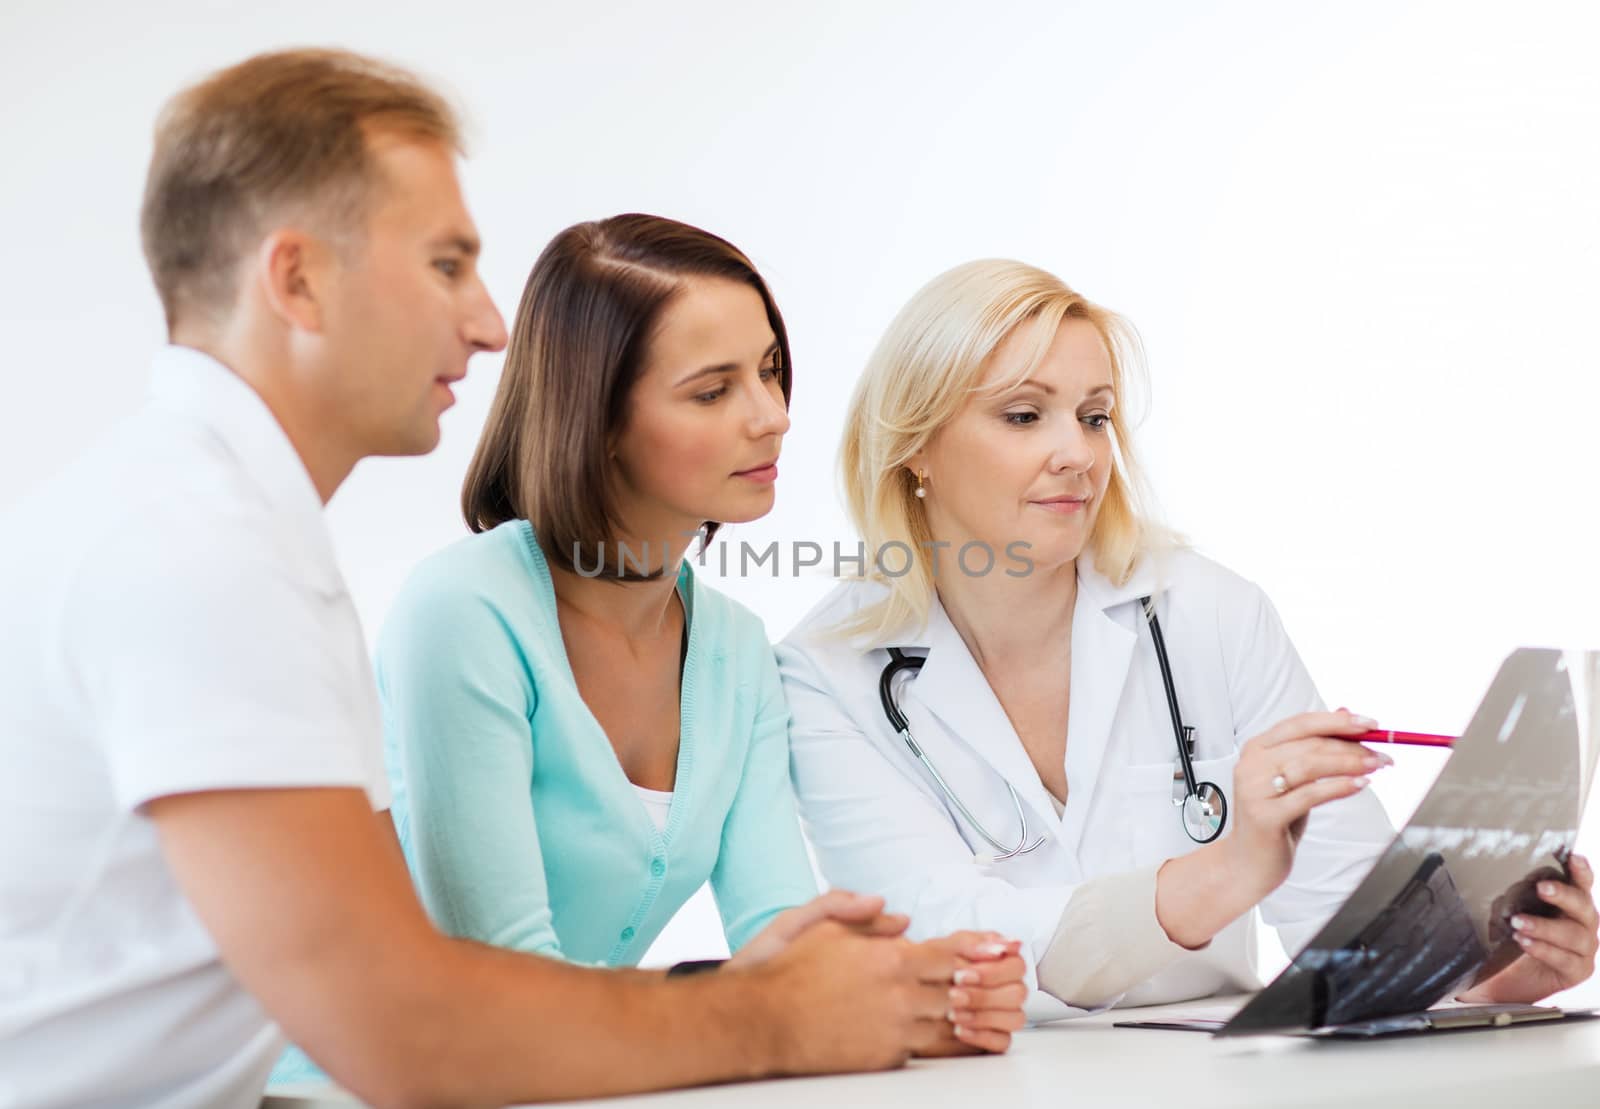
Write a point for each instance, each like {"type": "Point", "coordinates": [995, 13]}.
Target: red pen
{"type": "Point", "coordinates": [1415, 739]}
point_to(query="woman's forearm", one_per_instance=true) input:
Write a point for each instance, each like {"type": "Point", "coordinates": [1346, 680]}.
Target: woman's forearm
{"type": "Point", "coordinates": [1107, 941]}
{"type": "Point", "coordinates": [1201, 893]}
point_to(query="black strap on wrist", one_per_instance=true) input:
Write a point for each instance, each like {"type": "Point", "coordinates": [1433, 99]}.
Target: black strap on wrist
{"type": "Point", "coordinates": [694, 966]}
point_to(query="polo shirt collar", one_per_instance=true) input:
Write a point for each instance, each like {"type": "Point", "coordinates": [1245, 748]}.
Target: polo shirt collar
{"type": "Point", "coordinates": [194, 383]}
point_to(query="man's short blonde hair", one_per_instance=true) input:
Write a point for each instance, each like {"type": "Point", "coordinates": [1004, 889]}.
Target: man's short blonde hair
{"type": "Point", "coordinates": [276, 133]}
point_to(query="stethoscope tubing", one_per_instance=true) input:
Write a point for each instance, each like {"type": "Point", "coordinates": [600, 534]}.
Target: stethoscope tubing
{"type": "Point", "coordinates": [1204, 804]}
{"type": "Point", "coordinates": [1179, 732]}
{"type": "Point", "coordinates": [900, 661]}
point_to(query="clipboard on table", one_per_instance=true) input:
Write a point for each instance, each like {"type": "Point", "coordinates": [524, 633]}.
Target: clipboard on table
{"type": "Point", "coordinates": [1449, 1018]}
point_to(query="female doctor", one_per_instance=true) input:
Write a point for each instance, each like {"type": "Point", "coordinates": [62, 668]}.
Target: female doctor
{"type": "Point", "coordinates": [996, 730]}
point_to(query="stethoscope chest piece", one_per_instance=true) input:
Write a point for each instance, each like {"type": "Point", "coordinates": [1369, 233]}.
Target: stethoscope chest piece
{"type": "Point", "coordinates": [1205, 812]}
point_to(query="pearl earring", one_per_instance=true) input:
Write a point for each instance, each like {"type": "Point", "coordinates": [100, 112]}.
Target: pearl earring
{"type": "Point", "coordinates": [922, 491]}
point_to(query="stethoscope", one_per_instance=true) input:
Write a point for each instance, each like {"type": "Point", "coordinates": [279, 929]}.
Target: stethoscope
{"type": "Point", "coordinates": [1204, 806]}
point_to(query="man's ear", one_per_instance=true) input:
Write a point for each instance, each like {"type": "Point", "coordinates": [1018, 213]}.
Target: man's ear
{"type": "Point", "coordinates": [294, 273]}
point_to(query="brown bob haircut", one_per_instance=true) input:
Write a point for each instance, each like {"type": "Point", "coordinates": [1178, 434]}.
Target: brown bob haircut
{"type": "Point", "coordinates": [280, 134]}
{"type": "Point", "coordinates": [577, 345]}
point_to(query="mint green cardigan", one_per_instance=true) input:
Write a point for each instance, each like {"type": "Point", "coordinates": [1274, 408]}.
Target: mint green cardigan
{"type": "Point", "coordinates": [518, 823]}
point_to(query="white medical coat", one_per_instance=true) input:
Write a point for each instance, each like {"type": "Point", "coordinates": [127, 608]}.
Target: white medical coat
{"type": "Point", "coordinates": [879, 824]}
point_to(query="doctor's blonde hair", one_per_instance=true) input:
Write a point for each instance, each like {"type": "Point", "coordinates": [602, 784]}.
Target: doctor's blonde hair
{"type": "Point", "coordinates": [926, 368]}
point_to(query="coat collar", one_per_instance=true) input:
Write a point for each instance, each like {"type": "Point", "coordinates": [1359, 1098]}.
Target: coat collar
{"type": "Point", "coordinates": [1149, 578]}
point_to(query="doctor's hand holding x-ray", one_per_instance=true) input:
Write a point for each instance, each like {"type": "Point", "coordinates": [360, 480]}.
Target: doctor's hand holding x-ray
{"type": "Point", "coordinates": [1038, 713]}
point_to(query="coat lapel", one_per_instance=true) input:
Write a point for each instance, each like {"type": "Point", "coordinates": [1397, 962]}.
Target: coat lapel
{"type": "Point", "coordinates": [1105, 633]}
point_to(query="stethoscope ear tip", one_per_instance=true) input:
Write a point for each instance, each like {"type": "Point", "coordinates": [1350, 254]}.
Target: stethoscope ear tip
{"type": "Point", "coordinates": [984, 860]}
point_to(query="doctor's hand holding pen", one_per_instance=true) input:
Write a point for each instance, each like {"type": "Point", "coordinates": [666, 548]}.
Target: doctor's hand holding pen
{"type": "Point", "coordinates": [1282, 774]}
{"type": "Point", "coordinates": [986, 989]}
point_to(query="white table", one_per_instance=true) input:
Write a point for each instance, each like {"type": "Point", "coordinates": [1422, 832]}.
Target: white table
{"type": "Point", "coordinates": [1087, 1063]}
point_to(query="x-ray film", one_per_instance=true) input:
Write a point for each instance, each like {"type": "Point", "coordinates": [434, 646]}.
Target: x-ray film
{"type": "Point", "coordinates": [1434, 914]}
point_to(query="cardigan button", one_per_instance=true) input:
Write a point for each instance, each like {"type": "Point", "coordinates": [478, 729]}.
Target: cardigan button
{"type": "Point", "coordinates": [658, 867]}
{"type": "Point", "coordinates": [627, 934]}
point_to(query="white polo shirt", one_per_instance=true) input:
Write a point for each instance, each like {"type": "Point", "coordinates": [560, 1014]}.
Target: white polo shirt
{"type": "Point", "coordinates": [173, 620]}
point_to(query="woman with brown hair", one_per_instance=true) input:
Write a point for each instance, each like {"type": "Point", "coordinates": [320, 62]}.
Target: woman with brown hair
{"type": "Point", "coordinates": [580, 732]}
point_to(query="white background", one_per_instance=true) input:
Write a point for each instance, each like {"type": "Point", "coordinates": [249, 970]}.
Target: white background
{"type": "Point", "coordinates": [1360, 241]}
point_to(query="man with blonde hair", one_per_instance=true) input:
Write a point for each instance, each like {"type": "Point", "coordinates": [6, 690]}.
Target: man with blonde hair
{"type": "Point", "coordinates": [189, 852]}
